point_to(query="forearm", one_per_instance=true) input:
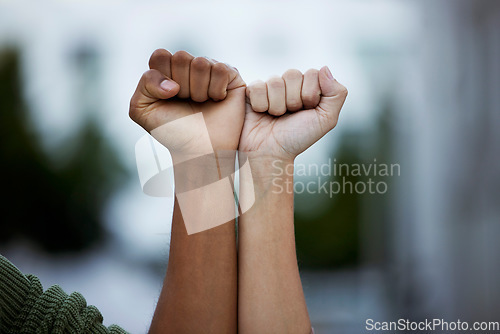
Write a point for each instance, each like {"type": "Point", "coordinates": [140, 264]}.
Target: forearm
{"type": "Point", "coordinates": [271, 299]}
{"type": "Point", "coordinates": [199, 294]}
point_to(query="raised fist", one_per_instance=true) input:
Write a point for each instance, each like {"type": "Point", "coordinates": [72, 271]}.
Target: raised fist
{"type": "Point", "coordinates": [192, 105]}
{"type": "Point", "coordinates": [287, 114]}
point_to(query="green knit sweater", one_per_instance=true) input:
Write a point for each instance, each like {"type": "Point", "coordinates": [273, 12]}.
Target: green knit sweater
{"type": "Point", "coordinates": [26, 308]}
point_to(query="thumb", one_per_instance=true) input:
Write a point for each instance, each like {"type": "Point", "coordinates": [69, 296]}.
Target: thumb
{"type": "Point", "coordinates": [152, 87]}
{"type": "Point", "coordinates": [333, 94]}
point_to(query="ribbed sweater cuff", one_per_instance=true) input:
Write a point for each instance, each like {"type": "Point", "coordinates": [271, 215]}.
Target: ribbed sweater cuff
{"type": "Point", "coordinates": [26, 308]}
{"type": "Point", "coordinates": [15, 288]}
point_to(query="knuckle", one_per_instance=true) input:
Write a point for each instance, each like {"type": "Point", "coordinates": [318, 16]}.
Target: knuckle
{"type": "Point", "coordinates": [198, 98]}
{"type": "Point", "coordinates": [182, 56]}
{"type": "Point", "coordinates": [160, 52]}
{"type": "Point", "coordinates": [277, 111]}
{"type": "Point", "coordinates": [259, 107]}
{"type": "Point", "coordinates": [220, 69]}
{"type": "Point", "coordinates": [159, 55]}
{"type": "Point", "coordinates": [294, 104]}
{"type": "Point", "coordinates": [292, 74]}
{"type": "Point", "coordinates": [231, 68]}
{"type": "Point", "coordinates": [256, 85]}
{"type": "Point", "coordinates": [258, 90]}
{"type": "Point", "coordinates": [218, 95]}
{"type": "Point", "coordinates": [148, 75]}
{"type": "Point", "coordinates": [200, 64]}
{"type": "Point", "coordinates": [276, 82]}
{"type": "Point", "coordinates": [312, 71]}
{"type": "Point", "coordinates": [309, 96]}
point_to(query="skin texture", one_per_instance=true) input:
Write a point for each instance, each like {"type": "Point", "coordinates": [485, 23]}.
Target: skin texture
{"type": "Point", "coordinates": [207, 289]}
{"type": "Point", "coordinates": [194, 85]}
{"type": "Point", "coordinates": [200, 289]}
{"type": "Point", "coordinates": [270, 296]}
{"type": "Point", "coordinates": [313, 110]}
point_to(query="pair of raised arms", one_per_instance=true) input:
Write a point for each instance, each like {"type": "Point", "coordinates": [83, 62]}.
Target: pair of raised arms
{"type": "Point", "coordinates": [197, 107]}
{"type": "Point", "coordinates": [279, 118]}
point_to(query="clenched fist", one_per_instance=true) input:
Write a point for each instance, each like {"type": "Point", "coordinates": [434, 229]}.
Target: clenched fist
{"type": "Point", "coordinates": [287, 114]}
{"type": "Point", "coordinates": [192, 105]}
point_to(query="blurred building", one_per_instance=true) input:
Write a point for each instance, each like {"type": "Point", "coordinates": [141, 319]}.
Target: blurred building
{"type": "Point", "coordinates": [446, 223]}
{"type": "Point", "coordinates": [423, 78]}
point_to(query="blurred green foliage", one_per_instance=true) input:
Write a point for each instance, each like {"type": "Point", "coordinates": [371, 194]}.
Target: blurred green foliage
{"type": "Point", "coordinates": [334, 237]}
{"type": "Point", "coordinates": [60, 209]}
{"type": "Point", "coordinates": [331, 239]}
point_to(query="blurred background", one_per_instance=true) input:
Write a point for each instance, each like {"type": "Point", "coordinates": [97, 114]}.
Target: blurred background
{"type": "Point", "coordinates": [424, 93]}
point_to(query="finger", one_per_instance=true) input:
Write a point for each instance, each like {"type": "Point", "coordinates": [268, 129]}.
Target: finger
{"type": "Point", "coordinates": [180, 65]}
{"type": "Point", "coordinates": [199, 79]}
{"type": "Point", "coordinates": [276, 96]}
{"type": "Point", "coordinates": [211, 60]}
{"type": "Point", "coordinates": [235, 80]}
{"type": "Point", "coordinates": [293, 89]}
{"type": "Point", "coordinates": [152, 87]}
{"type": "Point", "coordinates": [219, 79]}
{"type": "Point", "coordinates": [160, 60]}
{"type": "Point", "coordinates": [257, 93]}
{"type": "Point", "coordinates": [310, 89]}
{"type": "Point", "coordinates": [333, 95]}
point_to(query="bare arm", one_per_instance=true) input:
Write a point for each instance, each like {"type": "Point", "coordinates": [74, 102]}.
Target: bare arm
{"type": "Point", "coordinates": [195, 107]}
{"type": "Point", "coordinates": [270, 292]}
{"type": "Point", "coordinates": [199, 291]}
{"type": "Point", "coordinates": [283, 118]}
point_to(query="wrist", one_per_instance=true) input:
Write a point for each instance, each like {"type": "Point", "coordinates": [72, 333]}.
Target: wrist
{"type": "Point", "coordinates": [267, 171]}
{"type": "Point", "coordinates": [194, 172]}
{"type": "Point", "coordinates": [204, 191]}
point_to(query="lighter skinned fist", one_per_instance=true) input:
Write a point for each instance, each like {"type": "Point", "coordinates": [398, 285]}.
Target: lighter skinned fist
{"type": "Point", "coordinates": [287, 114]}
